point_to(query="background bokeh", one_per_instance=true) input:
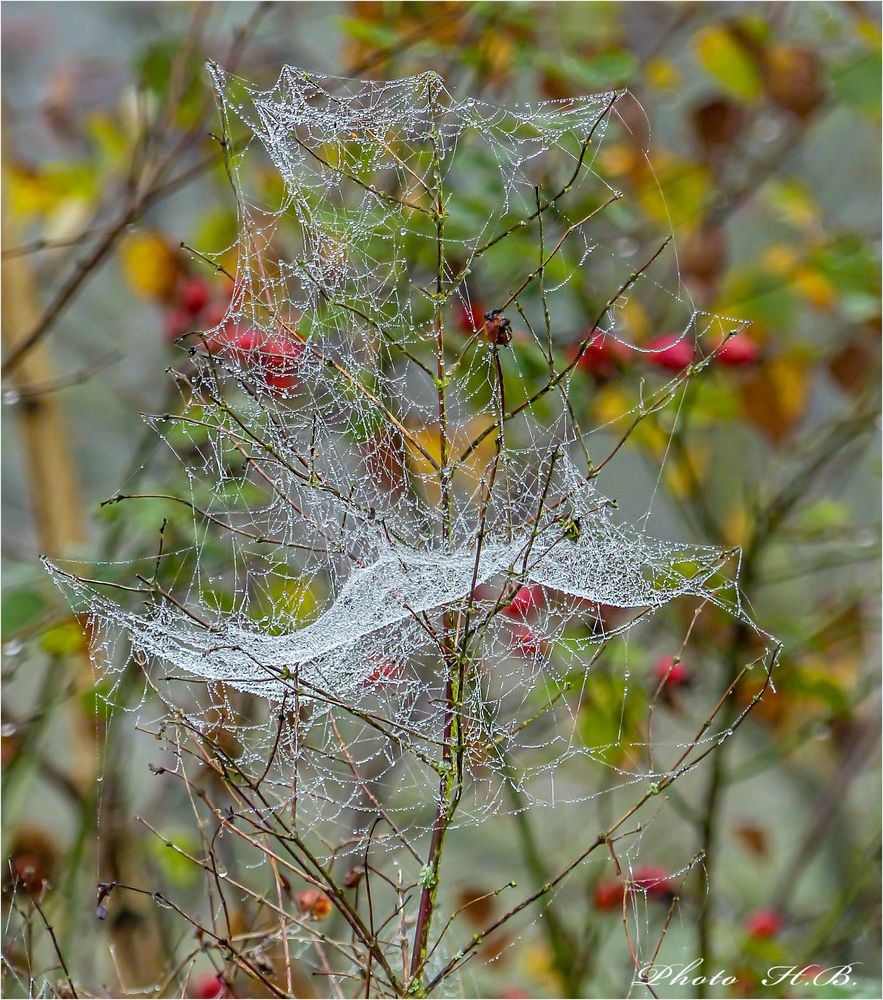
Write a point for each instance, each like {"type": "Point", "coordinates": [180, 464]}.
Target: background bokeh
{"type": "Point", "coordinates": [763, 126]}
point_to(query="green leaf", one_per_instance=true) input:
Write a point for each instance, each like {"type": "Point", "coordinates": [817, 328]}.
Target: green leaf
{"type": "Point", "coordinates": [96, 701]}
{"type": "Point", "coordinates": [155, 69]}
{"type": "Point", "coordinates": [857, 83]}
{"type": "Point", "coordinates": [759, 296]}
{"type": "Point", "coordinates": [179, 871]}
{"type": "Point", "coordinates": [370, 32]}
{"type": "Point", "coordinates": [818, 685]}
{"type": "Point", "coordinates": [21, 607]}
{"type": "Point", "coordinates": [612, 715]}
{"type": "Point", "coordinates": [286, 602]}
{"type": "Point", "coordinates": [219, 600]}
{"type": "Point", "coordinates": [613, 68]}
{"type": "Point", "coordinates": [823, 516]}
{"type": "Point", "coordinates": [216, 232]}
{"type": "Point", "coordinates": [726, 61]}
{"type": "Point", "coordinates": [851, 265]}
{"type": "Point", "coordinates": [63, 638]}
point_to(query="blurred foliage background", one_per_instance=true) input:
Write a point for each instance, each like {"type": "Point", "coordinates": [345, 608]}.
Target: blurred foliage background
{"type": "Point", "coordinates": [763, 125]}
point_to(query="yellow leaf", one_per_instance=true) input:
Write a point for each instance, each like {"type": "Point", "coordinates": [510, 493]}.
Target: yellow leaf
{"type": "Point", "coordinates": [780, 259]}
{"type": "Point", "coordinates": [662, 74]}
{"type": "Point", "coordinates": [870, 32]}
{"type": "Point", "coordinates": [475, 466]}
{"type": "Point", "coordinates": [42, 192]}
{"type": "Point", "coordinates": [621, 158]}
{"type": "Point", "coordinates": [429, 440]}
{"type": "Point", "coordinates": [149, 265]}
{"type": "Point", "coordinates": [737, 526]}
{"type": "Point", "coordinates": [652, 437]}
{"type": "Point", "coordinates": [793, 203]}
{"type": "Point", "coordinates": [815, 288]}
{"type": "Point", "coordinates": [680, 481]}
{"type": "Point", "coordinates": [497, 50]}
{"type": "Point", "coordinates": [722, 57]}
{"type": "Point", "coordinates": [63, 638]}
{"type": "Point", "coordinates": [677, 193]}
{"type": "Point", "coordinates": [111, 140]}
{"type": "Point", "coordinates": [635, 321]}
{"type": "Point", "coordinates": [536, 962]}
{"type": "Point", "coordinates": [28, 192]}
{"type": "Point", "coordinates": [609, 405]}
{"type": "Point", "coordinates": [774, 397]}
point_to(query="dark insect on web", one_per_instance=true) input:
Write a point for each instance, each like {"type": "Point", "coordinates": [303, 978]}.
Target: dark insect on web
{"type": "Point", "coordinates": [497, 328]}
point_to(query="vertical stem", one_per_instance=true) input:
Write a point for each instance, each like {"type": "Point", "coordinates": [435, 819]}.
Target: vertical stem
{"type": "Point", "coordinates": [559, 941]}
{"type": "Point", "coordinates": [452, 740]}
{"type": "Point", "coordinates": [717, 783]}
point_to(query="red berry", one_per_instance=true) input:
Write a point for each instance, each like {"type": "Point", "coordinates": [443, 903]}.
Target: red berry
{"type": "Point", "coordinates": [671, 350]}
{"type": "Point", "coordinates": [595, 357]}
{"type": "Point", "coordinates": [210, 987]}
{"type": "Point", "coordinates": [603, 355]}
{"type": "Point", "coordinates": [764, 923]}
{"type": "Point", "coordinates": [526, 600]}
{"type": "Point", "coordinates": [280, 361]}
{"type": "Point", "coordinates": [274, 358]}
{"type": "Point", "coordinates": [608, 894]}
{"type": "Point", "coordinates": [313, 902]}
{"type": "Point", "coordinates": [383, 674]}
{"type": "Point", "coordinates": [468, 317]}
{"type": "Point", "coordinates": [739, 350]}
{"type": "Point", "coordinates": [670, 672]}
{"type": "Point", "coordinates": [193, 295]}
{"type": "Point", "coordinates": [526, 641]}
{"type": "Point", "coordinates": [653, 880]}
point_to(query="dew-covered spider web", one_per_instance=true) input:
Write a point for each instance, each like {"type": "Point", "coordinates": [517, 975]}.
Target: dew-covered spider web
{"type": "Point", "coordinates": [401, 561]}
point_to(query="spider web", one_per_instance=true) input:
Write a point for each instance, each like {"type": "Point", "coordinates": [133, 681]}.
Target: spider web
{"type": "Point", "coordinates": [356, 537]}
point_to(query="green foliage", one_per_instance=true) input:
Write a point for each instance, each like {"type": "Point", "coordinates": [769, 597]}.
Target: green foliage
{"type": "Point", "coordinates": [725, 59]}
{"type": "Point", "coordinates": [21, 608]}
